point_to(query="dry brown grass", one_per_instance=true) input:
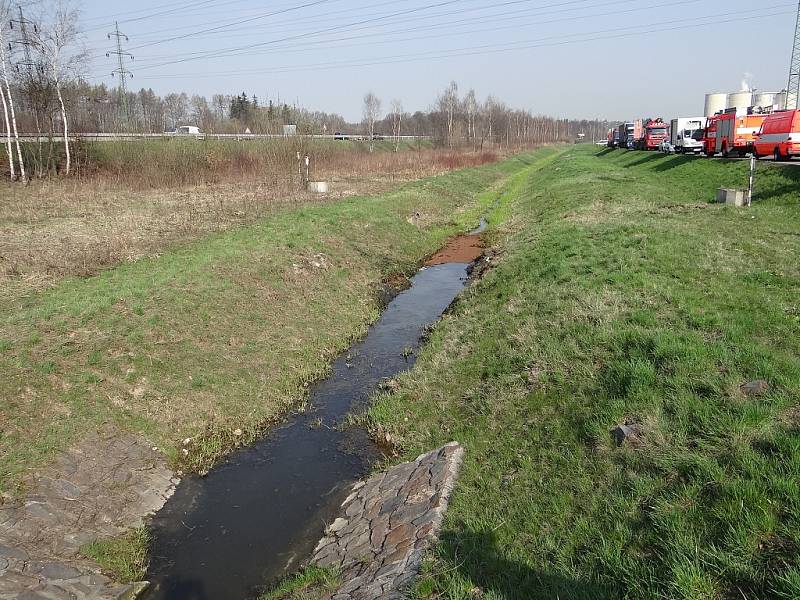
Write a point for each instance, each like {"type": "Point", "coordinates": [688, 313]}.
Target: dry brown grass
{"type": "Point", "coordinates": [56, 228]}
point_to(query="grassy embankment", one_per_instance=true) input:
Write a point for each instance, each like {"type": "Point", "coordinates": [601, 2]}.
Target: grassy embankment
{"type": "Point", "coordinates": [621, 294]}
{"type": "Point", "coordinates": [128, 200]}
{"type": "Point", "coordinates": [221, 334]}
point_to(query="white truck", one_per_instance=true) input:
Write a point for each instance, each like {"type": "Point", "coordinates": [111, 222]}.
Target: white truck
{"type": "Point", "coordinates": [187, 131]}
{"type": "Point", "coordinates": [686, 134]}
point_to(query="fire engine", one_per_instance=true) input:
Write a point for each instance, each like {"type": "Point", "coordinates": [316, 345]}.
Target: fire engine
{"type": "Point", "coordinates": [726, 132]}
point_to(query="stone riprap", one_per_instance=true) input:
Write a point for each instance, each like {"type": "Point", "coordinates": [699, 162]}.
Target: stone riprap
{"type": "Point", "coordinates": [100, 489]}
{"type": "Point", "coordinates": [387, 524]}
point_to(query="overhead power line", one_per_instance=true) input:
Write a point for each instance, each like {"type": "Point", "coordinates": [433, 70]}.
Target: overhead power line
{"type": "Point", "coordinates": [151, 15]}
{"type": "Point", "coordinates": [227, 53]}
{"type": "Point", "coordinates": [274, 25]}
{"type": "Point", "coordinates": [152, 33]}
{"type": "Point", "coordinates": [450, 25]}
{"type": "Point", "coordinates": [387, 20]}
{"type": "Point", "coordinates": [327, 29]}
{"type": "Point", "coordinates": [248, 20]}
{"type": "Point", "coordinates": [234, 50]}
{"type": "Point", "coordinates": [600, 35]}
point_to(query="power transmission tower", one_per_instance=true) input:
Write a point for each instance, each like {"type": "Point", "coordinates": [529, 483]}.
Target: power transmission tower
{"type": "Point", "coordinates": [22, 23]}
{"type": "Point", "coordinates": [121, 71]}
{"type": "Point", "coordinates": [793, 90]}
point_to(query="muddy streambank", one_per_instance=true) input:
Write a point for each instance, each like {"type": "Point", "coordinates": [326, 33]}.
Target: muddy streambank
{"type": "Point", "coordinates": [257, 516]}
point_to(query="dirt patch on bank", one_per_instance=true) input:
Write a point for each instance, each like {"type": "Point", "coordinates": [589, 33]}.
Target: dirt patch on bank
{"type": "Point", "coordinates": [464, 249]}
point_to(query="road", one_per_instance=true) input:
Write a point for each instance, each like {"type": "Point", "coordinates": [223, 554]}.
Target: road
{"type": "Point", "coordinates": [135, 137]}
{"type": "Point", "coordinates": [763, 159]}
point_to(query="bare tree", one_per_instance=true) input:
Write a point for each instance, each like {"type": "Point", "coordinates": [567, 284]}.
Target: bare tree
{"type": "Point", "coordinates": [471, 107]}
{"type": "Point", "coordinates": [372, 112]}
{"type": "Point", "coordinates": [490, 108]}
{"type": "Point", "coordinates": [57, 41]}
{"type": "Point", "coordinates": [397, 121]}
{"type": "Point", "coordinates": [8, 99]}
{"type": "Point", "coordinates": [201, 113]}
{"type": "Point", "coordinates": [448, 104]}
{"type": "Point", "coordinates": [176, 105]}
{"type": "Point", "coordinates": [9, 149]}
{"type": "Point", "coordinates": [220, 103]}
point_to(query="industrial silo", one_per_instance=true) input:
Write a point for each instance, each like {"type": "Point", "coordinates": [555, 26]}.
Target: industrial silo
{"type": "Point", "coordinates": [741, 101]}
{"type": "Point", "coordinates": [715, 103]}
{"type": "Point", "coordinates": [780, 100]}
{"type": "Point", "coordinates": [764, 99]}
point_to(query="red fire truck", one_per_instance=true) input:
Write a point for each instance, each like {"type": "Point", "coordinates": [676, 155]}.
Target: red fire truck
{"type": "Point", "coordinates": [726, 133]}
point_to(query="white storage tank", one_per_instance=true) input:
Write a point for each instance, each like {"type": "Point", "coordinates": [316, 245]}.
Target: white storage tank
{"type": "Point", "coordinates": [741, 101]}
{"type": "Point", "coordinates": [780, 100]}
{"type": "Point", "coordinates": [764, 99]}
{"type": "Point", "coordinates": [715, 103]}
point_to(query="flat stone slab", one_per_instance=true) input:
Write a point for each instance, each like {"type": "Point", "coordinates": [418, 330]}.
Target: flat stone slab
{"type": "Point", "coordinates": [387, 524]}
{"type": "Point", "coordinates": [101, 488]}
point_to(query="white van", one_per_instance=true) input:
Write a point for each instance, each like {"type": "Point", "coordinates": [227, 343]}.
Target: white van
{"type": "Point", "coordinates": [684, 134]}
{"type": "Point", "coordinates": [189, 130]}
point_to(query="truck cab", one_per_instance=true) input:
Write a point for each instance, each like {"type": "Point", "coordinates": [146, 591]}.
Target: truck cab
{"type": "Point", "coordinates": [655, 132]}
{"type": "Point", "coordinates": [626, 135]}
{"type": "Point", "coordinates": [612, 140]}
{"type": "Point", "coordinates": [687, 134]}
{"type": "Point", "coordinates": [690, 141]}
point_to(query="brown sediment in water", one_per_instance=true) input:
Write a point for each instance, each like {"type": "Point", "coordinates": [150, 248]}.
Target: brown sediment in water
{"type": "Point", "coordinates": [464, 249]}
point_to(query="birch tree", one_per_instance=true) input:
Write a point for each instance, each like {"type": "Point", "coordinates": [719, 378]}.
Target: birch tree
{"type": "Point", "coordinates": [57, 42]}
{"type": "Point", "coordinates": [471, 107]}
{"type": "Point", "coordinates": [448, 104]}
{"type": "Point", "coordinates": [8, 99]}
{"type": "Point", "coordinates": [372, 111]}
{"type": "Point", "coordinates": [397, 120]}
{"type": "Point", "coordinates": [9, 148]}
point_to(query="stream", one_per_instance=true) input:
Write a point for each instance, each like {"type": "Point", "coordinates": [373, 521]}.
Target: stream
{"type": "Point", "coordinates": [256, 516]}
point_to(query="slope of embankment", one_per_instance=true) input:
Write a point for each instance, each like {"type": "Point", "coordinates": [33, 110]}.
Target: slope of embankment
{"type": "Point", "coordinates": [621, 296]}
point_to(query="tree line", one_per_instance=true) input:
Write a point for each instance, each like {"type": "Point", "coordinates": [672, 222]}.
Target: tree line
{"type": "Point", "coordinates": [457, 121]}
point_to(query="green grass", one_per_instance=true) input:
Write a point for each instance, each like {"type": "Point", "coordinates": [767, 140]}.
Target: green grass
{"type": "Point", "coordinates": [620, 293]}
{"type": "Point", "coordinates": [124, 557]}
{"type": "Point", "coordinates": [312, 583]}
{"type": "Point", "coordinates": [220, 334]}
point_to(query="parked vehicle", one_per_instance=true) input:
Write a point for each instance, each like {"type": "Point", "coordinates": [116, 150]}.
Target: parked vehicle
{"type": "Point", "coordinates": [728, 133]}
{"type": "Point", "coordinates": [779, 135]}
{"type": "Point", "coordinates": [649, 133]}
{"type": "Point", "coordinates": [612, 138]}
{"type": "Point", "coordinates": [682, 134]}
{"type": "Point", "coordinates": [187, 131]}
{"type": "Point", "coordinates": [626, 135]}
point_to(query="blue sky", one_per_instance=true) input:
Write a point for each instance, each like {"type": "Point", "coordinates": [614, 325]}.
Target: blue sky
{"type": "Point", "coordinates": [576, 58]}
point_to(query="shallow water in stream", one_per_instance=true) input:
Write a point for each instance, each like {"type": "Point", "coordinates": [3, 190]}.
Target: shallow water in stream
{"type": "Point", "coordinates": [255, 517]}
